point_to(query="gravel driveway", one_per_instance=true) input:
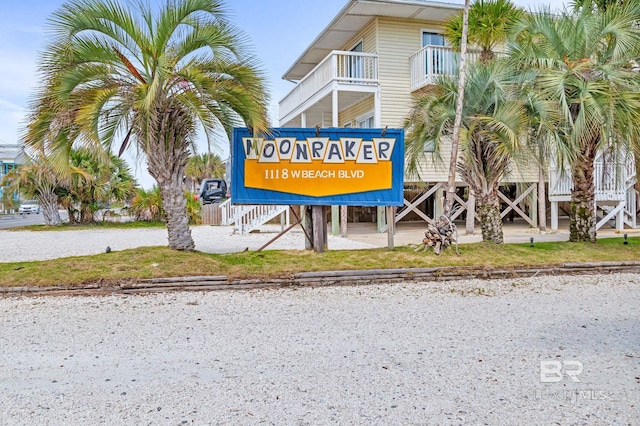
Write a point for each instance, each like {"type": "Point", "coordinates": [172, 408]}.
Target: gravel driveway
{"type": "Point", "coordinates": [416, 353]}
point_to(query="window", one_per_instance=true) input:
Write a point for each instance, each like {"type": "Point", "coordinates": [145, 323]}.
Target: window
{"type": "Point", "coordinates": [366, 121]}
{"type": "Point", "coordinates": [430, 146]}
{"type": "Point", "coordinates": [432, 39]}
{"type": "Point", "coordinates": [434, 59]}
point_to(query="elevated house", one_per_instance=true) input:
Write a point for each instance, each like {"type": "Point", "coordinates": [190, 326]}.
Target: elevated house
{"type": "Point", "coordinates": [365, 69]}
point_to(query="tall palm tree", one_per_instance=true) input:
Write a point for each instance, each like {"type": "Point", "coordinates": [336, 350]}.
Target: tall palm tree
{"type": "Point", "coordinates": [582, 62]}
{"type": "Point", "coordinates": [486, 25]}
{"type": "Point", "coordinates": [489, 26]}
{"type": "Point", "coordinates": [493, 123]}
{"type": "Point", "coordinates": [120, 75]}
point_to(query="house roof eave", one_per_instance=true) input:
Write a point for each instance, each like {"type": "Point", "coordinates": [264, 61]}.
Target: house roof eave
{"type": "Point", "coordinates": [354, 16]}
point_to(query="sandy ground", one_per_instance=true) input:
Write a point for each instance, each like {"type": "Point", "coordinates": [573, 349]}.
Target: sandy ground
{"type": "Point", "coordinates": [18, 246]}
{"type": "Point", "coordinates": [28, 245]}
{"type": "Point", "coordinates": [465, 352]}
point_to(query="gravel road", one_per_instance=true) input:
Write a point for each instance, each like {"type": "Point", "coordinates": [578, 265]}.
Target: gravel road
{"type": "Point", "coordinates": [466, 352]}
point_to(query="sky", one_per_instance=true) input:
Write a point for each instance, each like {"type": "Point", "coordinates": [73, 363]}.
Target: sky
{"type": "Point", "coordinates": [278, 30]}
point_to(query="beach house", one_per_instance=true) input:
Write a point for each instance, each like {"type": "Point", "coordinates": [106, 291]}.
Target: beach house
{"type": "Point", "coordinates": [366, 68]}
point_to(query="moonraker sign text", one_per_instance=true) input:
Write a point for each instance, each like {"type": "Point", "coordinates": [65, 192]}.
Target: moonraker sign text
{"type": "Point", "coordinates": [334, 166]}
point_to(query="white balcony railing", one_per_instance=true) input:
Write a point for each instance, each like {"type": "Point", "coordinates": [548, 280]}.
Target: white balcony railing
{"type": "Point", "coordinates": [343, 67]}
{"type": "Point", "coordinates": [431, 61]}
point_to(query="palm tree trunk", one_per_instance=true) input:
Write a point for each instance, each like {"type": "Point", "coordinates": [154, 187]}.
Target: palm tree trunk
{"type": "Point", "coordinates": [489, 215]}
{"type": "Point", "coordinates": [582, 225]}
{"type": "Point", "coordinates": [453, 161]}
{"type": "Point", "coordinates": [72, 214]}
{"type": "Point", "coordinates": [173, 200]}
{"type": "Point", "coordinates": [167, 159]}
{"type": "Point", "coordinates": [49, 204]}
{"type": "Point", "coordinates": [175, 208]}
{"type": "Point", "coordinates": [86, 214]}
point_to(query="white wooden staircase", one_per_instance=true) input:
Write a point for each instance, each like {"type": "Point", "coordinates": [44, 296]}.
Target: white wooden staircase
{"type": "Point", "coordinates": [615, 194]}
{"type": "Point", "coordinates": [631, 209]}
{"type": "Point", "coordinates": [246, 218]}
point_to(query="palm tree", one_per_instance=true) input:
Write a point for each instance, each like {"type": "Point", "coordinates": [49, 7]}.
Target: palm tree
{"type": "Point", "coordinates": [147, 205]}
{"type": "Point", "coordinates": [582, 63]}
{"type": "Point", "coordinates": [489, 26]}
{"type": "Point", "coordinates": [153, 78]}
{"type": "Point", "coordinates": [38, 180]}
{"type": "Point", "coordinates": [99, 180]}
{"type": "Point", "coordinates": [122, 183]}
{"type": "Point", "coordinates": [485, 24]}
{"type": "Point", "coordinates": [493, 124]}
{"type": "Point", "coordinates": [204, 166]}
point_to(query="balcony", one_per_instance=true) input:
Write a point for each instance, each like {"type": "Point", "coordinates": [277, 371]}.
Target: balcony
{"type": "Point", "coordinates": [353, 69]}
{"type": "Point", "coordinates": [431, 61]}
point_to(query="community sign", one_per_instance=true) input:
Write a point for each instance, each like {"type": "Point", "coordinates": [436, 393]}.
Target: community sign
{"type": "Point", "coordinates": [309, 166]}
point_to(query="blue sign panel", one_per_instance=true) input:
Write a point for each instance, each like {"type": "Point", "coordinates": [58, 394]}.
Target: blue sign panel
{"type": "Point", "coordinates": [334, 166]}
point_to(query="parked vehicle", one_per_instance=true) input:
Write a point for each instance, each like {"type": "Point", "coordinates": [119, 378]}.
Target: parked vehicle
{"type": "Point", "coordinates": [212, 191]}
{"type": "Point", "coordinates": [29, 206]}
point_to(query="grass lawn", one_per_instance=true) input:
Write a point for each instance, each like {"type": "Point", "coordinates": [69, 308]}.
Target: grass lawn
{"type": "Point", "coordinates": [151, 262]}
